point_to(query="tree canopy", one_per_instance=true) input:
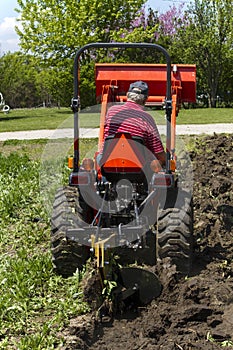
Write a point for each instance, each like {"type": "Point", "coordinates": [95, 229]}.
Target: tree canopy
{"type": "Point", "coordinates": [206, 39]}
{"type": "Point", "coordinates": [58, 28]}
{"type": "Point", "coordinates": [52, 31]}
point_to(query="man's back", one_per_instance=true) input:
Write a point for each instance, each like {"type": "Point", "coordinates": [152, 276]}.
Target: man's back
{"type": "Point", "coordinates": [131, 118]}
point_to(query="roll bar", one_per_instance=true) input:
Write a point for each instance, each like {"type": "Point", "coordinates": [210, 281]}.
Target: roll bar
{"type": "Point", "coordinates": [75, 100]}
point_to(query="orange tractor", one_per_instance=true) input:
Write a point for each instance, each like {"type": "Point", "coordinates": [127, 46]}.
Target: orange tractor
{"type": "Point", "coordinates": [120, 210]}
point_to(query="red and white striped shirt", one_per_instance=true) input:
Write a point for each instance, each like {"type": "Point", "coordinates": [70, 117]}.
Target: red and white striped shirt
{"type": "Point", "coordinates": [132, 118]}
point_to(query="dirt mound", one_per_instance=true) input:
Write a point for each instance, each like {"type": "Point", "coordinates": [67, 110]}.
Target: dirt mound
{"type": "Point", "coordinates": [193, 313]}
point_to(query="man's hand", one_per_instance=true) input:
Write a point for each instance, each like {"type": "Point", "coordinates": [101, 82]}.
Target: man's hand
{"type": "Point", "coordinates": [155, 166]}
{"type": "Point", "coordinates": [161, 157]}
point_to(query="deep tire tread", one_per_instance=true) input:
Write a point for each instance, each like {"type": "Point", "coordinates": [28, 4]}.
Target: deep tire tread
{"type": "Point", "coordinates": [175, 233]}
{"type": "Point", "coordinates": [67, 256]}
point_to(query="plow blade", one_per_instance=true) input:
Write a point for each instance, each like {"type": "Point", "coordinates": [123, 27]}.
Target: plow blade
{"type": "Point", "coordinates": [141, 282]}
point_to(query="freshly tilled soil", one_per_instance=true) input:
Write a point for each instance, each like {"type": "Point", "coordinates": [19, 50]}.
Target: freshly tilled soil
{"type": "Point", "coordinates": [194, 312]}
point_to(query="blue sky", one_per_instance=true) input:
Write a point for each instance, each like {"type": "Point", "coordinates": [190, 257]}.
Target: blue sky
{"type": "Point", "coordinates": [8, 37]}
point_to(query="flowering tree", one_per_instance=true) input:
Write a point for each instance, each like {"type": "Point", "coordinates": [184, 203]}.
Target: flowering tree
{"type": "Point", "coordinates": [153, 27]}
{"type": "Point", "coordinates": [171, 20]}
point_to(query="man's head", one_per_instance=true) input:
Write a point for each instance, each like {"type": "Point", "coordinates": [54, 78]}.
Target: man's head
{"type": "Point", "coordinates": [138, 92]}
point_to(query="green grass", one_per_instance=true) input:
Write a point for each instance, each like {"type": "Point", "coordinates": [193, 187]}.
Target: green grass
{"type": "Point", "coordinates": [33, 119]}
{"type": "Point", "coordinates": [52, 118]}
{"type": "Point", "coordinates": [36, 148]}
{"type": "Point", "coordinates": [198, 116]}
{"type": "Point", "coordinates": [35, 303]}
{"type": "Point", "coordinates": [205, 116]}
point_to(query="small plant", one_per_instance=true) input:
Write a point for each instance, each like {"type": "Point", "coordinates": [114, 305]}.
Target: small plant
{"type": "Point", "coordinates": [225, 343]}
{"type": "Point", "coordinates": [108, 289]}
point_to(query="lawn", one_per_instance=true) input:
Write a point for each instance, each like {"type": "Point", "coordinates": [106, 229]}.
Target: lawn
{"type": "Point", "coordinates": [52, 118]}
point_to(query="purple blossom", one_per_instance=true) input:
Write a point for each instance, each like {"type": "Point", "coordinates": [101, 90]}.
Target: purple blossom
{"type": "Point", "coordinates": [156, 36]}
{"type": "Point", "coordinates": [168, 22]}
{"type": "Point", "coordinates": [172, 19]}
{"type": "Point", "coordinates": [141, 19]}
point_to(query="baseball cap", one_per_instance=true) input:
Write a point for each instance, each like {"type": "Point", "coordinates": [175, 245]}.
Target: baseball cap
{"type": "Point", "coordinates": [139, 87]}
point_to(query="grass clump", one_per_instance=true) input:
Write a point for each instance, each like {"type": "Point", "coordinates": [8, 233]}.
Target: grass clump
{"type": "Point", "coordinates": [34, 303]}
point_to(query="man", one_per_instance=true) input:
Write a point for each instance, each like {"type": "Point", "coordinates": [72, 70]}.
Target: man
{"type": "Point", "coordinates": [131, 117]}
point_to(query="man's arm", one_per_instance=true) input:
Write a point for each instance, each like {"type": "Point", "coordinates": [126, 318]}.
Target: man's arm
{"type": "Point", "coordinates": [157, 164]}
{"type": "Point", "coordinates": [161, 157]}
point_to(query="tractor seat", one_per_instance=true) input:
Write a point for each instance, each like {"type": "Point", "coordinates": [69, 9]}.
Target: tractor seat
{"type": "Point", "coordinates": [123, 158]}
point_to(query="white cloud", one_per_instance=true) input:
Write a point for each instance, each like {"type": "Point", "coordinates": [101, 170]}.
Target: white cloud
{"type": "Point", "coordinates": [8, 38]}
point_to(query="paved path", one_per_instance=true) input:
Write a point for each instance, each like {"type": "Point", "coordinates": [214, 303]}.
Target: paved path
{"type": "Point", "coordinates": [194, 129]}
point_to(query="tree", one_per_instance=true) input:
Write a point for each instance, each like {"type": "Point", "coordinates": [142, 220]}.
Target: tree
{"type": "Point", "coordinates": [54, 84]}
{"type": "Point", "coordinates": [18, 85]}
{"type": "Point", "coordinates": [207, 41]}
{"type": "Point", "coordinates": [25, 82]}
{"type": "Point", "coordinates": [56, 29]}
{"type": "Point", "coordinates": [142, 28]}
{"type": "Point", "coordinates": [153, 27]}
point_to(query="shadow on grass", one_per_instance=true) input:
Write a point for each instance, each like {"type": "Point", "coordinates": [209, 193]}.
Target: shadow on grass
{"type": "Point", "coordinates": [4, 119]}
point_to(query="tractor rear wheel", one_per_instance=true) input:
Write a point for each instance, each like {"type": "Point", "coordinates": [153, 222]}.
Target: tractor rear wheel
{"type": "Point", "coordinates": [69, 211]}
{"type": "Point", "coordinates": [175, 230]}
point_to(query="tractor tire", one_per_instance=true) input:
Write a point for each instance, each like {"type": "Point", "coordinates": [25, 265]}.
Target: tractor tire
{"type": "Point", "coordinates": [175, 230]}
{"type": "Point", "coordinates": [69, 211]}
